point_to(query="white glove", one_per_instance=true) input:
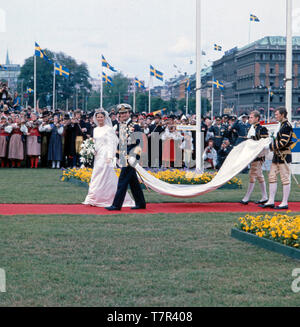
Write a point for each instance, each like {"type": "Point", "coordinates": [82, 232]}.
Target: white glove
{"type": "Point", "coordinates": [132, 161]}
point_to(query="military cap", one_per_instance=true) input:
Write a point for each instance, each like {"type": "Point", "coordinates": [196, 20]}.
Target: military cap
{"type": "Point", "coordinates": [124, 107]}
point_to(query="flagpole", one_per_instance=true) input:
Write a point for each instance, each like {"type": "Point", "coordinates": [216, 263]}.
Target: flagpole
{"type": "Point", "coordinates": [134, 99]}
{"type": "Point", "coordinates": [289, 59]}
{"type": "Point", "coordinates": [187, 102]}
{"type": "Point", "coordinates": [212, 100]}
{"type": "Point", "coordinates": [269, 103]}
{"type": "Point", "coordinates": [53, 105]}
{"type": "Point", "coordinates": [34, 95]}
{"type": "Point", "coordinates": [101, 86]}
{"type": "Point", "coordinates": [199, 161]}
{"type": "Point", "coordinates": [150, 82]}
{"type": "Point", "coordinates": [249, 39]}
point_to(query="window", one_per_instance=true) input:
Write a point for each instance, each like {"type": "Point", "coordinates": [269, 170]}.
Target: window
{"type": "Point", "coordinates": [262, 69]}
{"type": "Point", "coordinates": [272, 70]}
{"type": "Point", "coordinates": [280, 98]}
{"type": "Point", "coordinates": [262, 99]}
{"type": "Point", "coordinates": [262, 82]}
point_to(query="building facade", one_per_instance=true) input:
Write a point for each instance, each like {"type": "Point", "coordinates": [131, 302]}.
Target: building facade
{"type": "Point", "coordinates": [254, 76]}
{"type": "Point", "coordinates": [10, 74]}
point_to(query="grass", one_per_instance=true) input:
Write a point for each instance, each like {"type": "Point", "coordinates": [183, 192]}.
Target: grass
{"type": "Point", "coordinates": [44, 186]}
{"type": "Point", "coordinates": [134, 260]}
{"type": "Point", "coordinates": [157, 260]}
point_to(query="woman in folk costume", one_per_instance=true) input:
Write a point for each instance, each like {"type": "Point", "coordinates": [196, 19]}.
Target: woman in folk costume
{"type": "Point", "coordinates": [55, 145]}
{"type": "Point", "coordinates": [3, 141]}
{"type": "Point", "coordinates": [33, 144]}
{"type": "Point", "coordinates": [16, 146]}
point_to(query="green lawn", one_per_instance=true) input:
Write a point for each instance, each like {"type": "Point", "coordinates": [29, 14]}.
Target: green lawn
{"type": "Point", "coordinates": [44, 186]}
{"type": "Point", "coordinates": [131, 260]}
{"type": "Point", "coordinates": [136, 260]}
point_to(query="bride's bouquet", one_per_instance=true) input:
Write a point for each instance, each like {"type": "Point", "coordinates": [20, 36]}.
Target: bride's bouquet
{"type": "Point", "coordinates": [87, 153]}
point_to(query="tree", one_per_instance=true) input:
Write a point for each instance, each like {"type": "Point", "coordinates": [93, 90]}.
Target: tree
{"type": "Point", "coordinates": [65, 87]}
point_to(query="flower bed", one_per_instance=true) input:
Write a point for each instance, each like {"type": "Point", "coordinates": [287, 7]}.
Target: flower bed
{"type": "Point", "coordinates": [175, 176]}
{"type": "Point", "coordinates": [283, 229]}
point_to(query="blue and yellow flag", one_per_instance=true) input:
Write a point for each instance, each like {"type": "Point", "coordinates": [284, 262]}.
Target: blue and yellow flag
{"type": "Point", "coordinates": [254, 18]}
{"type": "Point", "coordinates": [41, 54]}
{"type": "Point", "coordinates": [217, 47]}
{"type": "Point", "coordinates": [29, 90]}
{"type": "Point", "coordinates": [187, 85]}
{"type": "Point", "coordinates": [107, 79]}
{"type": "Point", "coordinates": [159, 112]}
{"type": "Point", "coordinates": [3, 67]}
{"type": "Point", "coordinates": [61, 70]}
{"type": "Point", "coordinates": [218, 84]}
{"type": "Point", "coordinates": [139, 83]}
{"type": "Point", "coordinates": [154, 72]}
{"type": "Point", "coordinates": [107, 65]}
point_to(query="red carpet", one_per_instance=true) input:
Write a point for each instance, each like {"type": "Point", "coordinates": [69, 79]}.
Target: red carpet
{"type": "Point", "coordinates": [176, 208]}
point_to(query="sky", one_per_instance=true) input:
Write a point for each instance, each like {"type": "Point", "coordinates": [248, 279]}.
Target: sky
{"type": "Point", "coordinates": [132, 34]}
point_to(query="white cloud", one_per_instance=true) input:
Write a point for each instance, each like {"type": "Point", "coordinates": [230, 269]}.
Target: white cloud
{"type": "Point", "coordinates": [184, 47]}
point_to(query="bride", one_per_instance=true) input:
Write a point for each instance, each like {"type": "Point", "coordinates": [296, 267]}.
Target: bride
{"type": "Point", "coordinates": [104, 182]}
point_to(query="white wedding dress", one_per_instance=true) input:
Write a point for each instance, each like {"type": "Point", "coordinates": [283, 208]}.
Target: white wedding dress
{"type": "Point", "coordinates": [104, 181]}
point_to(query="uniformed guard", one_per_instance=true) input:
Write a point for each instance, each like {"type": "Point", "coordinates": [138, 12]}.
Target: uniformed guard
{"type": "Point", "coordinates": [219, 131]}
{"type": "Point", "coordinates": [256, 133]}
{"type": "Point", "coordinates": [127, 128]}
{"type": "Point", "coordinates": [282, 159]}
{"type": "Point", "coordinates": [241, 127]}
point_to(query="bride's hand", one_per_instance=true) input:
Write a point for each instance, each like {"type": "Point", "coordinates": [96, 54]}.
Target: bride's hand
{"type": "Point", "coordinates": [109, 160]}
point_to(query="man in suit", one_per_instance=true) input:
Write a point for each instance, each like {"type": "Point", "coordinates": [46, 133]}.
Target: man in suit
{"type": "Point", "coordinates": [128, 177]}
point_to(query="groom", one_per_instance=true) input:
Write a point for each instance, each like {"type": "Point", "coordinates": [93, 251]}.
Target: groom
{"type": "Point", "coordinates": [128, 176]}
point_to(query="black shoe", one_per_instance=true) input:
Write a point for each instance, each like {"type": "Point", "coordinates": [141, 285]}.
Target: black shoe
{"type": "Point", "coordinates": [271, 206]}
{"type": "Point", "coordinates": [113, 208]}
{"type": "Point", "coordinates": [245, 203]}
{"type": "Point", "coordinates": [281, 208]}
{"type": "Point", "coordinates": [139, 208]}
{"type": "Point", "coordinates": [261, 202]}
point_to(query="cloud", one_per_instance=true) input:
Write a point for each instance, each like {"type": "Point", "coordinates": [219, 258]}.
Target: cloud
{"type": "Point", "coordinates": [184, 47]}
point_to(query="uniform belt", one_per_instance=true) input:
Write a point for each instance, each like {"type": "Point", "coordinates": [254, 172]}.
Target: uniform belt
{"type": "Point", "coordinates": [218, 137]}
{"type": "Point", "coordinates": [243, 137]}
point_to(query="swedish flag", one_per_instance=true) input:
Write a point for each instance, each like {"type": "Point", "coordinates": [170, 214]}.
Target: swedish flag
{"type": "Point", "coordinates": [107, 79]}
{"type": "Point", "coordinates": [41, 54]}
{"type": "Point", "coordinates": [61, 70]}
{"type": "Point", "coordinates": [254, 18]}
{"type": "Point", "coordinates": [188, 86]}
{"type": "Point", "coordinates": [29, 90]}
{"type": "Point", "coordinates": [217, 47]}
{"type": "Point", "coordinates": [3, 67]}
{"type": "Point", "coordinates": [139, 83]}
{"type": "Point", "coordinates": [154, 72]}
{"type": "Point", "coordinates": [107, 65]}
{"type": "Point", "coordinates": [218, 84]}
{"type": "Point", "coordinates": [159, 112]}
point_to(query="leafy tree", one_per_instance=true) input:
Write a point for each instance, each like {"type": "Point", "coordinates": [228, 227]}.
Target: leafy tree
{"type": "Point", "coordinates": [67, 88]}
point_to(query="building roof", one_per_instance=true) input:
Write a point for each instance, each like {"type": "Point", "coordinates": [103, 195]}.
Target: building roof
{"type": "Point", "coordinates": [271, 41]}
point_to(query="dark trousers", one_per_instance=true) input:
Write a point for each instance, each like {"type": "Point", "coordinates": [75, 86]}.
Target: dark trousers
{"type": "Point", "coordinates": [127, 178]}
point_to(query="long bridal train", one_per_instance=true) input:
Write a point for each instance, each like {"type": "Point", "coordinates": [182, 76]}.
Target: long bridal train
{"type": "Point", "coordinates": [238, 159]}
